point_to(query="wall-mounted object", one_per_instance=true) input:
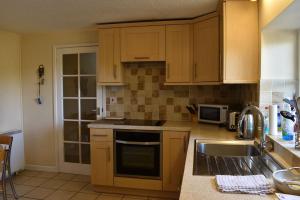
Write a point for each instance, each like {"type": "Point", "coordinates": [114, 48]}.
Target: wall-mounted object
{"type": "Point", "coordinates": [41, 80]}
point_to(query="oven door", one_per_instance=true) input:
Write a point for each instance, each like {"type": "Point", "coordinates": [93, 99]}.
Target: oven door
{"type": "Point", "coordinates": [138, 154]}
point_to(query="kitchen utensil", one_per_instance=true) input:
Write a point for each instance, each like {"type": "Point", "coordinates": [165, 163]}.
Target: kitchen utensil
{"type": "Point", "coordinates": [287, 115]}
{"type": "Point", "coordinates": [288, 180]}
{"type": "Point", "coordinates": [195, 107]}
{"type": "Point", "coordinates": [247, 127]}
{"type": "Point", "coordinates": [191, 110]}
{"type": "Point", "coordinates": [232, 120]}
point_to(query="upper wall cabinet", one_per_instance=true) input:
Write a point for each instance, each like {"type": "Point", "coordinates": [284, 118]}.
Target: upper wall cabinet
{"type": "Point", "coordinates": [109, 71]}
{"type": "Point", "coordinates": [240, 42]}
{"type": "Point", "coordinates": [206, 51]}
{"type": "Point", "coordinates": [143, 43]}
{"type": "Point", "coordinates": [178, 54]}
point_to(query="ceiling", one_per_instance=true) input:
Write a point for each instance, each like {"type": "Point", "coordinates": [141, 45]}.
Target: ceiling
{"type": "Point", "coordinates": [55, 15]}
{"type": "Point", "coordinates": [289, 19]}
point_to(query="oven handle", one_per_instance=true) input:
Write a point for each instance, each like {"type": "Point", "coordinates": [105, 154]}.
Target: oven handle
{"type": "Point", "coordinates": [137, 143]}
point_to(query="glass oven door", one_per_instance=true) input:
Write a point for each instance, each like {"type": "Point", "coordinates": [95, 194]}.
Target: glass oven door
{"type": "Point", "coordinates": [138, 154]}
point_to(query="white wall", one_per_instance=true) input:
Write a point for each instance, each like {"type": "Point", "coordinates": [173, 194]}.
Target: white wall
{"type": "Point", "coordinates": [10, 82]}
{"type": "Point", "coordinates": [38, 119]}
{"type": "Point", "coordinates": [279, 55]}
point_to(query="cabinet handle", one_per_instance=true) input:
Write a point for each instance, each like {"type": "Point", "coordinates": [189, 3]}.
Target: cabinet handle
{"type": "Point", "coordinates": [168, 70]}
{"type": "Point", "coordinates": [185, 145]}
{"type": "Point", "coordinates": [99, 135]}
{"type": "Point", "coordinates": [141, 57]}
{"type": "Point", "coordinates": [195, 71]}
{"type": "Point", "coordinates": [108, 154]}
{"type": "Point", "coordinates": [115, 71]}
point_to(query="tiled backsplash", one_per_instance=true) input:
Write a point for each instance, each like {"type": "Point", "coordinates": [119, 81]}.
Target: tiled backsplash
{"type": "Point", "coordinates": [273, 91]}
{"type": "Point", "coordinates": [146, 97]}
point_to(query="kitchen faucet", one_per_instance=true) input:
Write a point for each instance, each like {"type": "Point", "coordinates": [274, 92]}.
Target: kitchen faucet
{"type": "Point", "coordinates": [260, 128]}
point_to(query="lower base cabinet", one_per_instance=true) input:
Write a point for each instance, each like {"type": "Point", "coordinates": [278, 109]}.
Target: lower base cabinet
{"type": "Point", "coordinates": [102, 157]}
{"type": "Point", "coordinates": [102, 162]}
{"type": "Point", "coordinates": [174, 153]}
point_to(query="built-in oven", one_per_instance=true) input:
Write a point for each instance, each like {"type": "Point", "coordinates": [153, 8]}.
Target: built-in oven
{"type": "Point", "coordinates": [138, 153]}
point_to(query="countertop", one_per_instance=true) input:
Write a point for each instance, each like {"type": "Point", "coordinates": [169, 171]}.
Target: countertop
{"type": "Point", "coordinates": [288, 145]}
{"type": "Point", "coordinates": [196, 187]}
{"type": "Point", "coordinates": [204, 187]}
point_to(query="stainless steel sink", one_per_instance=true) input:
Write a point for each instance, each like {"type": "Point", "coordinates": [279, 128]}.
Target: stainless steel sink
{"type": "Point", "coordinates": [231, 159]}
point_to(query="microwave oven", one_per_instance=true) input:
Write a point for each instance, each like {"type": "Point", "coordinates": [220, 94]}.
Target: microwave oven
{"type": "Point", "coordinates": [212, 113]}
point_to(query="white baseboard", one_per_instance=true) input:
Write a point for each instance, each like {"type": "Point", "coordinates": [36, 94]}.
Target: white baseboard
{"type": "Point", "coordinates": [42, 168]}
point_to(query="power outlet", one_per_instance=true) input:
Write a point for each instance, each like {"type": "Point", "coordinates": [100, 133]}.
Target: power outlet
{"type": "Point", "coordinates": [113, 100]}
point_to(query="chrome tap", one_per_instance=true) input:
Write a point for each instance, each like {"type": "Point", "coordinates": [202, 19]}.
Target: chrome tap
{"type": "Point", "coordinates": [260, 128]}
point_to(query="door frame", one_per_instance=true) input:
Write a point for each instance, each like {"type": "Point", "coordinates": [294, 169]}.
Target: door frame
{"type": "Point", "coordinates": [58, 131]}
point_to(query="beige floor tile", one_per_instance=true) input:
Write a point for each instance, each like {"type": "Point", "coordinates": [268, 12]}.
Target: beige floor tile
{"type": "Point", "coordinates": [29, 173]}
{"type": "Point", "coordinates": [64, 176]}
{"type": "Point", "coordinates": [85, 196]}
{"type": "Point", "coordinates": [110, 197]}
{"type": "Point", "coordinates": [132, 197]}
{"type": "Point", "coordinates": [82, 178]}
{"type": "Point", "coordinates": [39, 193]}
{"type": "Point", "coordinates": [89, 189]}
{"type": "Point", "coordinates": [35, 181]}
{"type": "Point", "coordinates": [22, 189]}
{"type": "Point", "coordinates": [20, 179]}
{"type": "Point", "coordinates": [155, 198]}
{"type": "Point", "coordinates": [53, 184]}
{"type": "Point", "coordinates": [73, 186]}
{"type": "Point", "coordinates": [24, 198]}
{"type": "Point", "coordinates": [60, 195]}
{"type": "Point", "coordinates": [47, 174]}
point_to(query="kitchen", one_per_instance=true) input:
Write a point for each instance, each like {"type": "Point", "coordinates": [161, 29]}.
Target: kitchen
{"type": "Point", "coordinates": [108, 103]}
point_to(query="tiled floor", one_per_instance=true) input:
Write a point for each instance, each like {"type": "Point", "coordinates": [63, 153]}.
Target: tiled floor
{"type": "Point", "coordinates": [60, 186]}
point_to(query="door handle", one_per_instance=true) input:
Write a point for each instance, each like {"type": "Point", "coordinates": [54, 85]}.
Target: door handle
{"type": "Point", "coordinates": [108, 154]}
{"type": "Point", "coordinates": [137, 143]}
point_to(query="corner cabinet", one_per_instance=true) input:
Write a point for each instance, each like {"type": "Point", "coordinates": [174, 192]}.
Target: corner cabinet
{"type": "Point", "coordinates": [178, 54]}
{"type": "Point", "coordinates": [240, 41]}
{"type": "Point", "coordinates": [102, 157]}
{"type": "Point", "coordinates": [174, 153]}
{"type": "Point", "coordinates": [109, 71]}
{"type": "Point", "coordinates": [206, 67]}
{"type": "Point", "coordinates": [145, 43]}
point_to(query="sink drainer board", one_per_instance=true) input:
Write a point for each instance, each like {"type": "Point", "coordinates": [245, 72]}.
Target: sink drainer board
{"type": "Point", "coordinates": [226, 159]}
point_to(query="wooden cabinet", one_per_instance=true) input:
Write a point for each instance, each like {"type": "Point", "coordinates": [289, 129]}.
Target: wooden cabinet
{"type": "Point", "coordinates": [206, 67]}
{"type": "Point", "coordinates": [109, 70]}
{"type": "Point", "coordinates": [143, 43]}
{"type": "Point", "coordinates": [102, 157]}
{"type": "Point", "coordinates": [178, 53]}
{"type": "Point", "coordinates": [240, 42]}
{"type": "Point", "coordinates": [174, 153]}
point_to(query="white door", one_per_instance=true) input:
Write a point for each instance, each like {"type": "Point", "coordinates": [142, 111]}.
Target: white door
{"type": "Point", "coordinates": [76, 106]}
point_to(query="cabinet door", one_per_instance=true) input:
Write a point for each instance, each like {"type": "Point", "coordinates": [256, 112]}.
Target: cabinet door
{"type": "Point", "coordinates": [109, 69]}
{"type": "Point", "coordinates": [174, 153]}
{"type": "Point", "coordinates": [143, 43]}
{"type": "Point", "coordinates": [240, 53]}
{"type": "Point", "coordinates": [101, 157]}
{"type": "Point", "coordinates": [206, 51]}
{"type": "Point", "coordinates": [178, 53]}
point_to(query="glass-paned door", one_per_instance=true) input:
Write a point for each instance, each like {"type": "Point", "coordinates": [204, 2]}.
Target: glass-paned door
{"type": "Point", "coordinates": [77, 97]}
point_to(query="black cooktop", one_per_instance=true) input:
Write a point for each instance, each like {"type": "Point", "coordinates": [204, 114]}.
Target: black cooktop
{"type": "Point", "coordinates": [133, 122]}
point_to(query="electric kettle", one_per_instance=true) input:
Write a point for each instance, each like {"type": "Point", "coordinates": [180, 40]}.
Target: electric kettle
{"type": "Point", "coordinates": [247, 129]}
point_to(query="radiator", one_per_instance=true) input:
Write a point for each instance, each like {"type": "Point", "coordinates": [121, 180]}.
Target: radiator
{"type": "Point", "coordinates": [17, 160]}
